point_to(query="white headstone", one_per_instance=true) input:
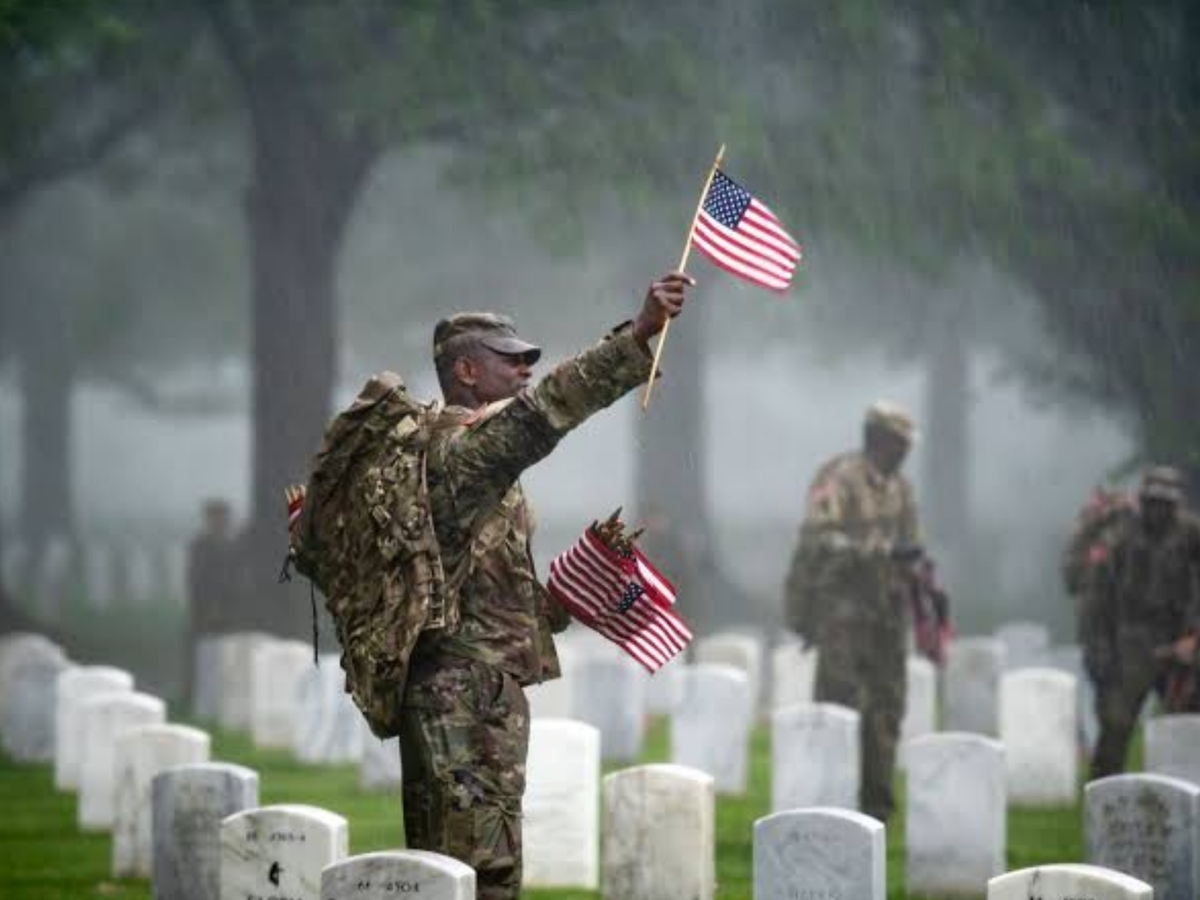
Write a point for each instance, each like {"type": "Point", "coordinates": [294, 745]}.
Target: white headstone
{"type": "Point", "coordinates": [1068, 882]}
{"type": "Point", "coordinates": [328, 725]}
{"type": "Point", "coordinates": [561, 811]}
{"type": "Point", "coordinates": [742, 651]}
{"type": "Point", "coordinates": [1038, 722]}
{"type": "Point", "coordinates": [550, 699]}
{"type": "Point", "coordinates": [710, 728]}
{"type": "Point", "coordinates": [140, 754]}
{"type": "Point", "coordinates": [206, 678]}
{"type": "Point", "coordinates": [277, 668]}
{"type": "Point", "coordinates": [815, 757]}
{"type": "Point", "coordinates": [392, 874]}
{"type": "Point", "coordinates": [21, 650]}
{"type": "Point", "coordinates": [279, 851]}
{"type": "Point", "coordinates": [819, 852]}
{"type": "Point", "coordinates": [1026, 644]}
{"type": "Point", "coordinates": [27, 717]}
{"type": "Point", "coordinates": [610, 694]}
{"type": "Point", "coordinates": [235, 705]}
{"type": "Point", "coordinates": [658, 834]}
{"type": "Point", "coordinates": [105, 718]}
{"type": "Point", "coordinates": [664, 688]}
{"type": "Point", "coordinates": [971, 685]}
{"type": "Point", "coordinates": [793, 674]}
{"type": "Point", "coordinates": [1147, 826]}
{"type": "Point", "coordinates": [74, 688]}
{"type": "Point", "coordinates": [190, 802]}
{"type": "Point", "coordinates": [1173, 746]}
{"type": "Point", "coordinates": [379, 769]}
{"type": "Point", "coordinates": [920, 707]}
{"type": "Point", "coordinates": [955, 816]}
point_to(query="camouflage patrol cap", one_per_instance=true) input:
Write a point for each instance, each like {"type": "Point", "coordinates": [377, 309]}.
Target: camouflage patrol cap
{"type": "Point", "coordinates": [892, 417]}
{"type": "Point", "coordinates": [496, 332]}
{"type": "Point", "coordinates": [1162, 483]}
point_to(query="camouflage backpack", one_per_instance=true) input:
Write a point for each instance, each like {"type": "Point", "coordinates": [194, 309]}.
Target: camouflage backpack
{"type": "Point", "coordinates": [365, 538]}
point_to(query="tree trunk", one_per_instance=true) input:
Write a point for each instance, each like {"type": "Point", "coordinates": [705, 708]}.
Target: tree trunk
{"type": "Point", "coordinates": [47, 373]}
{"type": "Point", "coordinates": [306, 178]}
{"type": "Point", "coordinates": [670, 473]}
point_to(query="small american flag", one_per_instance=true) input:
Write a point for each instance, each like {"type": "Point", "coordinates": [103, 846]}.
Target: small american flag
{"type": "Point", "coordinates": [619, 594]}
{"type": "Point", "coordinates": [742, 236]}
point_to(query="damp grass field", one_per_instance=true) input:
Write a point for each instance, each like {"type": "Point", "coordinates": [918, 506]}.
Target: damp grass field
{"type": "Point", "coordinates": [43, 855]}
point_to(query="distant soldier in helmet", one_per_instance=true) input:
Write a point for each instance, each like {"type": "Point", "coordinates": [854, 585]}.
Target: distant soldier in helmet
{"type": "Point", "coordinates": [847, 586]}
{"type": "Point", "coordinates": [1144, 605]}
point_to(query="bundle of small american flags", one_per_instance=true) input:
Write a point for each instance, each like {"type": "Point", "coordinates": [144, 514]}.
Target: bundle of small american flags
{"type": "Point", "coordinates": [609, 585]}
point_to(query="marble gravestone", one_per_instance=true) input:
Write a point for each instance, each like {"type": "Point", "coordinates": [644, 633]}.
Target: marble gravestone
{"type": "Point", "coordinates": [75, 687]}
{"type": "Point", "coordinates": [189, 804]}
{"type": "Point", "coordinates": [235, 660]}
{"type": "Point", "coordinates": [1173, 746]}
{"type": "Point", "coordinates": [658, 834]}
{"type": "Point", "coordinates": [561, 811]}
{"type": "Point", "coordinates": [710, 728]}
{"type": "Point", "coordinates": [920, 707]}
{"type": "Point", "coordinates": [391, 874]}
{"type": "Point", "coordinates": [328, 724]}
{"type": "Point", "coordinates": [1039, 727]}
{"type": "Point", "coordinates": [955, 814]}
{"type": "Point", "coordinates": [279, 851]}
{"type": "Point", "coordinates": [731, 648]}
{"type": "Point", "coordinates": [1147, 826]}
{"type": "Point", "coordinates": [206, 678]}
{"type": "Point", "coordinates": [379, 769]}
{"type": "Point", "coordinates": [815, 757]}
{"type": "Point", "coordinates": [105, 718]}
{"type": "Point", "coordinates": [1069, 658]}
{"type": "Point", "coordinates": [971, 685]}
{"type": "Point", "coordinates": [609, 693]}
{"type": "Point", "coordinates": [1068, 882]}
{"type": "Point", "coordinates": [819, 852]}
{"type": "Point", "coordinates": [141, 753]}
{"type": "Point", "coordinates": [1026, 644]}
{"type": "Point", "coordinates": [20, 650]}
{"type": "Point", "coordinates": [665, 687]}
{"type": "Point", "coordinates": [793, 674]}
{"type": "Point", "coordinates": [277, 668]}
{"type": "Point", "coordinates": [27, 718]}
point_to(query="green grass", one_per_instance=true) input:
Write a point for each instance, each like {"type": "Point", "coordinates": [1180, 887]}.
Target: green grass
{"type": "Point", "coordinates": [44, 857]}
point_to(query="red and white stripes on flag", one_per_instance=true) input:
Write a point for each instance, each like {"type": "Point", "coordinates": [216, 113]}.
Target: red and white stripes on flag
{"type": "Point", "coordinates": [742, 236]}
{"type": "Point", "coordinates": [621, 596]}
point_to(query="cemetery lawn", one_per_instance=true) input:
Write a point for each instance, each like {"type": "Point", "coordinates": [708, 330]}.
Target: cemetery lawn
{"type": "Point", "coordinates": [43, 856]}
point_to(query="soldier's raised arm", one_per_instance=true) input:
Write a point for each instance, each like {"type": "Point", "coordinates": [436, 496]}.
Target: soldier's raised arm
{"type": "Point", "coordinates": [516, 426]}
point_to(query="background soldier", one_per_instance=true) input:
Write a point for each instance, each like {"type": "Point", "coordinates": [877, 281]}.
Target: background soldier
{"type": "Point", "coordinates": [846, 589]}
{"type": "Point", "coordinates": [1145, 601]}
{"type": "Point", "coordinates": [465, 730]}
{"type": "Point", "coordinates": [210, 582]}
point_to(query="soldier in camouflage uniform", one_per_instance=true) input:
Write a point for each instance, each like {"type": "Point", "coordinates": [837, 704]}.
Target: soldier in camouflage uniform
{"type": "Point", "coordinates": [465, 729]}
{"type": "Point", "coordinates": [845, 589]}
{"type": "Point", "coordinates": [1145, 599]}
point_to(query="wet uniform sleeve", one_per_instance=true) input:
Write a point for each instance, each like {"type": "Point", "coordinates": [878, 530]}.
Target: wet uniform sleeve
{"type": "Point", "coordinates": [483, 461]}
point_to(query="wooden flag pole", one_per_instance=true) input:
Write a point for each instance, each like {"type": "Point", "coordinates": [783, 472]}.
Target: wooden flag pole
{"type": "Point", "coordinates": [687, 249]}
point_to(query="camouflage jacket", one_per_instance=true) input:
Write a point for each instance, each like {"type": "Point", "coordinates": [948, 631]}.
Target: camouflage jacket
{"type": "Point", "coordinates": [482, 521]}
{"type": "Point", "coordinates": [1087, 547]}
{"type": "Point", "coordinates": [841, 567]}
{"type": "Point", "coordinates": [1148, 588]}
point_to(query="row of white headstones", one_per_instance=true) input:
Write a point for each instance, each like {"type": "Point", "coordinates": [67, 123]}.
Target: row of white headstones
{"type": "Point", "coordinates": [663, 814]}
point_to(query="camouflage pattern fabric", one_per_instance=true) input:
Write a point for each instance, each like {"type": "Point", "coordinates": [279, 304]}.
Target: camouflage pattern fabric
{"type": "Point", "coordinates": [844, 592]}
{"type": "Point", "coordinates": [463, 742]}
{"type": "Point", "coordinates": [1146, 595]}
{"type": "Point", "coordinates": [465, 724]}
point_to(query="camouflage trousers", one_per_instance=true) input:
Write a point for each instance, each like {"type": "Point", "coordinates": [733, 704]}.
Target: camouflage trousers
{"type": "Point", "coordinates": [862, 666]}
{"type": "Point", "coordinates": [463, 743]}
